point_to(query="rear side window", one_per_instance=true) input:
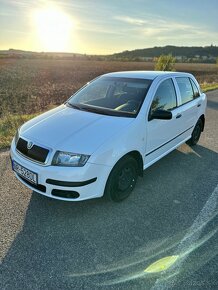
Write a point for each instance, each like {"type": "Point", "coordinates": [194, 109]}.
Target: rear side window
{"type": "Point", "coordinates": [186, 90]}
{"type": "Point", "coordinates": [165, 97]}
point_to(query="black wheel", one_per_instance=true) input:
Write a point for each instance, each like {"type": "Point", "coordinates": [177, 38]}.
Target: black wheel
{"type": "Point", "coordinates": [122, 179]}
{"type": "Point", "coordinates": [196, 133]}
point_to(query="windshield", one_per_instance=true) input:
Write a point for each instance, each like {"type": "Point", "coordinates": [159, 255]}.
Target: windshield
{"type": "Point", "coordinates": [112, 96]}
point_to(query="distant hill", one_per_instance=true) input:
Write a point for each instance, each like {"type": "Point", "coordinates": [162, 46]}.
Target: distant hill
{"type": "Point", "coordinates": [207, 53]}
{"type": "Point", "coordinates": [17, 53]}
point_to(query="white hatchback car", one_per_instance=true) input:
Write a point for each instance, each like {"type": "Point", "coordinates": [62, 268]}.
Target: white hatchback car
{"type": "Point", "coordinates": [107, 133]}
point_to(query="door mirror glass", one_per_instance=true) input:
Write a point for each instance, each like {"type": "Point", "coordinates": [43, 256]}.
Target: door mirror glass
{"type": "Point", "coordinates": [161, 115]}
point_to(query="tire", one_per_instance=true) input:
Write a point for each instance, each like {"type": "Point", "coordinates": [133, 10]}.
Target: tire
{"type": "Point", "coordinates": [196, 133]}
{"type": "Point", "coordinates": [122, 179]}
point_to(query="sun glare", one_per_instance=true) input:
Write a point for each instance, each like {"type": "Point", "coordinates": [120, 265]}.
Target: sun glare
{"type": "Point", "coordinates": [54, 29]}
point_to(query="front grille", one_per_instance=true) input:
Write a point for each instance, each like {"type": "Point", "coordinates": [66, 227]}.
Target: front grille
{"type": "Point", "coordinates": [36, 153]}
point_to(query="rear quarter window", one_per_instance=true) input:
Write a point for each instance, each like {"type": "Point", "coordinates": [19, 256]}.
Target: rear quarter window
{"type": "Point", "coordinates": [195, 89]}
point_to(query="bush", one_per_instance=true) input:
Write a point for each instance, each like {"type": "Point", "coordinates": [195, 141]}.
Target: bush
{"type": "Point", "coordinates": [165, 63]}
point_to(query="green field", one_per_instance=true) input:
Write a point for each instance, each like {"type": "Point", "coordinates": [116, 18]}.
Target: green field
{"type": "Point", "coordinates": [31, 86]}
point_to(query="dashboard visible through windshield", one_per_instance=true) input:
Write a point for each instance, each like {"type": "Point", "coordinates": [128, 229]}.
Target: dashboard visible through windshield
{"type": "Point", "coordinates": [112, 96]}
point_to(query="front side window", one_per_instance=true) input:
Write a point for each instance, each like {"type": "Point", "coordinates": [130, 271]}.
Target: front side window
{"type": "Point", "coordinates": [165, 97]}
{"type": "Point", "coordinates": [112, 96]}
{"type": "Point", "coordinates": [185, 89]}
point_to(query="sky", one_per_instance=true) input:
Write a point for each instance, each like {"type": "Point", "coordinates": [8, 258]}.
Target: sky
{"type": "Point", "coordinates": [106, 26]}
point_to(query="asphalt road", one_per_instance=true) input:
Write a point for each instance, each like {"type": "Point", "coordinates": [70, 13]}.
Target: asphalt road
{"type": "Point", "coordinates": [50, 244]}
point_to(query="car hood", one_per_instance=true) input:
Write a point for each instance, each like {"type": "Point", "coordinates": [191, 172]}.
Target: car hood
{"type": "Point", "coordinates": [72, 130]}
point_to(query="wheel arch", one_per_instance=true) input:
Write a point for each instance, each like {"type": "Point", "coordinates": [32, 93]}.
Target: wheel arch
{"type": "Point", "coordinates": [139, 161]}
{"type": "Point", "coordinates": [138, 157]}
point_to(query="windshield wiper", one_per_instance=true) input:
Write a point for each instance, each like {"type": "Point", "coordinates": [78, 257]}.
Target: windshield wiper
{"type": "Point", "coordinates": [74, 106]}
{"type": "Point", "coordinates": [101, 111]}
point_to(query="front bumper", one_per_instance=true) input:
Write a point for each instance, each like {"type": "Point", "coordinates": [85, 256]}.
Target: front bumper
{"type": "Point", "coordinates": [88, 181]}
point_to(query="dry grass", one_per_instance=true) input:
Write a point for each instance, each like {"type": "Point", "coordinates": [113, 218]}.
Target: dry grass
{"type": "Point", "coordinates": [209, 87]}
{"type": "Point", "coordinates": [204, 73]}
{"type": "Point", "coordinates": [30, 86]}
{"type": "Point", "coordinates": [9, 125]}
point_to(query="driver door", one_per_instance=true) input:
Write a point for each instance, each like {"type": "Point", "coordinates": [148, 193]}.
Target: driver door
{"type": "Point", "coordinates": [162, 135]}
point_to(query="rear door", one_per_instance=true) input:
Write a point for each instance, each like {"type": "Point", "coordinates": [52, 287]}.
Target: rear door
{"type": "Point", "coordinates": [162, 135]}
{"type": "Point", "coordinates": [189, 101]}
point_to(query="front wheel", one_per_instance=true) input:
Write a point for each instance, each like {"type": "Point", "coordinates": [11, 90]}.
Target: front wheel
{"type": "Point", "coordinates": [196, 133]}
{"type": "Point", "coordinates": [122, 179]}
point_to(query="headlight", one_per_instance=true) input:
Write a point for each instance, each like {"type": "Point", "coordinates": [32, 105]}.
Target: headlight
{"type": "Point", "coordinates": [69, 159]}
{"type": "Point", "coordinates": [16, 137]}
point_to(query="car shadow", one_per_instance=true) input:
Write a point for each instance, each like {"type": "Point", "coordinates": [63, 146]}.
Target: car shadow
{"type": "Point", "coordinates": [85, 245]}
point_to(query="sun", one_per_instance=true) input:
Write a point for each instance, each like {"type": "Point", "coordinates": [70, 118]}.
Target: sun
{"type": "Point", "coordinates": [54, 29]}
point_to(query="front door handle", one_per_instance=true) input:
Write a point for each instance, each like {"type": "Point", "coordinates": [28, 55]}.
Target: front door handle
{"type": "Point", "coordinates": [178, 116]}
{"type": "Point", "coordinates": [198, 105]}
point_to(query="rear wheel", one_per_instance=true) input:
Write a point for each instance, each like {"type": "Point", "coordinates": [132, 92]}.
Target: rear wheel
{"type": "Point", "coordinates": [196, 133]}
{"type": "Point", "coordinates": [122, 179]}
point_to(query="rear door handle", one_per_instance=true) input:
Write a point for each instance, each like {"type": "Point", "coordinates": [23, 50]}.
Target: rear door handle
{"type": "Point", "coordinates": [178, 116]}
{"type": "Point", "coordinates": [198, 105]}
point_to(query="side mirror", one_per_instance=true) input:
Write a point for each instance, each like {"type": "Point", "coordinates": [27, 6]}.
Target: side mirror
{"type": "Point", "coordinates": [161, 115]}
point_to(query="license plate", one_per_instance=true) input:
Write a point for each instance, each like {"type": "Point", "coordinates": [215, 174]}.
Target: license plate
{"type": "Point", "coordinates": [24, 172]}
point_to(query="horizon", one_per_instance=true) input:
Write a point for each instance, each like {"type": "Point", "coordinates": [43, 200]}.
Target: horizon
{"type": "Point", "coordinates": [118, 52]}
{"type": "Point", "coordinates": [102, 28]}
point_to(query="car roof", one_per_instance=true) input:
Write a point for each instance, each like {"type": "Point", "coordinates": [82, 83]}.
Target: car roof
{"type": "Point", "coordinates": [149, 75]}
